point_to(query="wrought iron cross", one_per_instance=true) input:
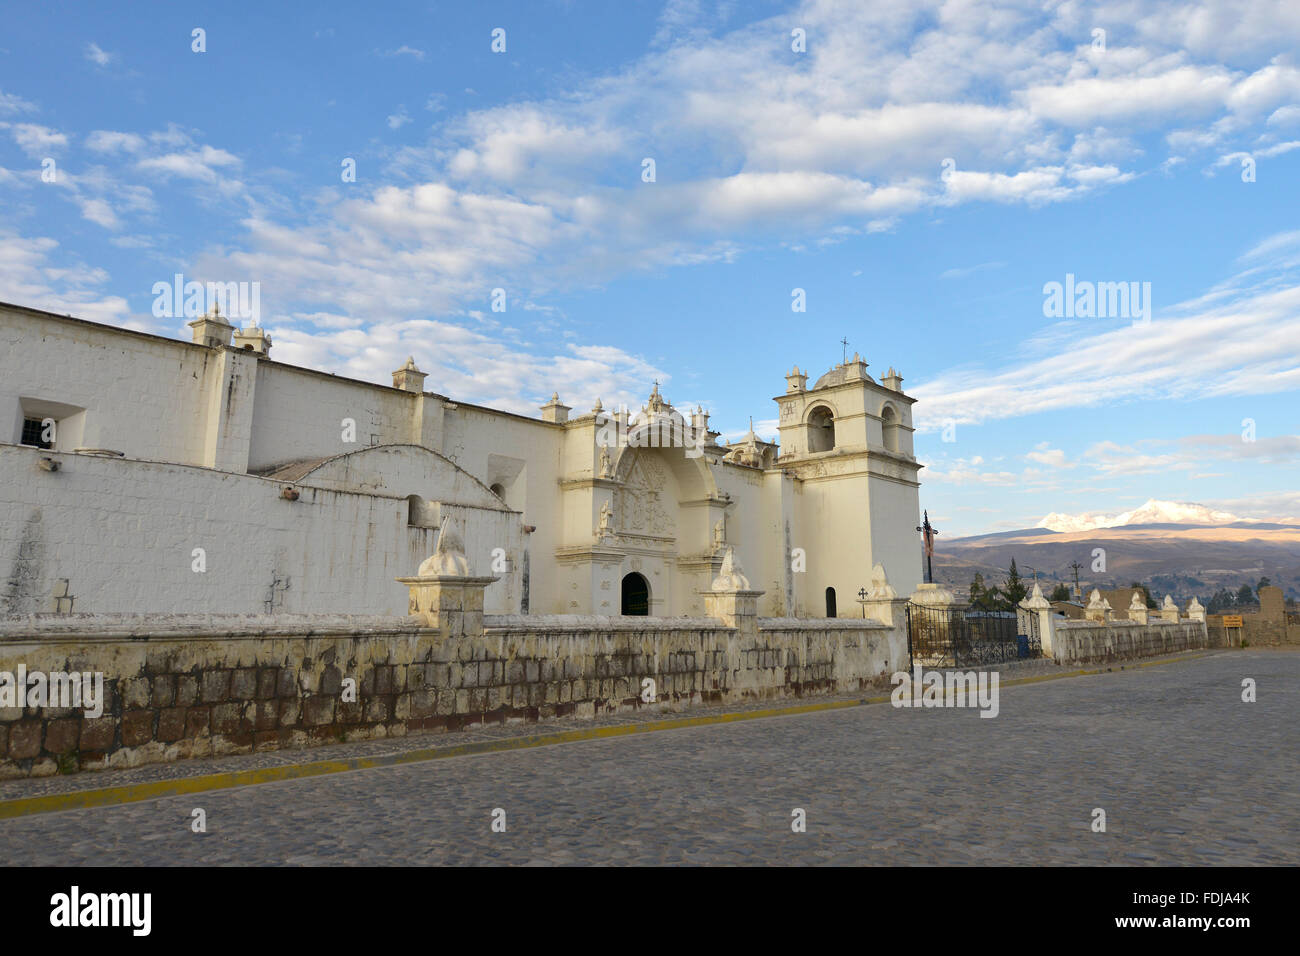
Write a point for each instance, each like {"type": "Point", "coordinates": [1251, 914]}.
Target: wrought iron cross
{"type": "Point", "coordinates": [844, 353]}
{"type": "Point", "coordinates": [928, 532]}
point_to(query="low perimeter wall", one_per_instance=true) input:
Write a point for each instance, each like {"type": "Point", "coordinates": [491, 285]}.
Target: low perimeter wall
{"type": "Point", "coordinates": [1092, 642]}
{"type": "Point", "coordinates": [188, 687]}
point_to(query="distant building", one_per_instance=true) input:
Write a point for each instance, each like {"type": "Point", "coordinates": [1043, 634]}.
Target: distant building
{"type": "Point", "coordinates": [1121, 599]}
{"type": "Point", "coordinates": [1070, 609]}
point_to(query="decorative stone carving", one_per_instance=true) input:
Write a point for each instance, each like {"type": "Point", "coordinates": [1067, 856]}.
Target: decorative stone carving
{"type": "Point", "coordinates": [448, 556]}
{"type": "Point", "coordinates": [928, 594]}
{"type": "Point", "coordinates": [1098, 608]}
{"type": "Point", "coordinates": [640, 503]}
{"type": "Point", "coordinates": [444, 593]}
{"type": "Point", "coordinates": [731, 599]}
{"type": "Point", "coordinates": [1036, 601]}
{"type": "Point", "coordinates": [881, 589]}
{"type": "Point", "coordinates": [731, 577]}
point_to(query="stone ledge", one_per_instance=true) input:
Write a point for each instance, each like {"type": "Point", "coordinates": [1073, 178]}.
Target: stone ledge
{"type": "Point", "coordinates": [548, 623]}
{"type": "Point", "coordinates": [820, 624]}
{"type": "Point", "coordinates": [106, 627]}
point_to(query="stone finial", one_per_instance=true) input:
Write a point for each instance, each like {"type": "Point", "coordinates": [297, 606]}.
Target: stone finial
{"type": "Point", "coordinates": [731, 577]}
{"type": "Point", "coordinates": [700, 420]}
{"type": "Point", "coordinates": [1196, 611]}
{"type": "Point", "coordinates": [1098, 608]}
{"type": "Point", "coordinates": [409, 378]}
{"type": "Point", "coordinates": [1169, 604]}
{"type": "Point", "coordinates": [448, 558]}
{"type": "Point", "coordinates": [1036, 601]}
{"type": "Point", "coordinates": [1137, 603]}
{"type": "Point", "coordinates": [730, 599]}
{"type": "Point", "coordinates": [796, 381]}
{"type": "Point", "coordinates": [211, 330]}
{"type": "Point", "coordinates": [595, 409]}
{"type": "Point", "coordinates": [881, 589]}
{"type": "Point", "coordinates": [929, 594]}
{"type": "Point", "coordinates": [555, 410]}
{"type": "Point", "coordinates": [253, 339]}
{"type": "Point", "coordinates": [444, 594]}
{"type": "Point", "coordinates": [893, 381]}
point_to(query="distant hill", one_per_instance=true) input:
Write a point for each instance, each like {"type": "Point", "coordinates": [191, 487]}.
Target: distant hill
{"type": "Point", "coordinates": [1193, 557]}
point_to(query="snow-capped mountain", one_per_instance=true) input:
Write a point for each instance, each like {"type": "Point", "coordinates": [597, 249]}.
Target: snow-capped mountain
{"type": "Point", "coordinates": [1153, 512]}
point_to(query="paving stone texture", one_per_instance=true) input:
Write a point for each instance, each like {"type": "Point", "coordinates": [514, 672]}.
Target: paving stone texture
{"type": "Point", "coordinates": [1186, 772]}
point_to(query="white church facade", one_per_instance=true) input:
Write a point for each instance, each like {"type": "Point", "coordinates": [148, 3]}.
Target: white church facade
{"type": "Point", "coordinates": [143, 474]}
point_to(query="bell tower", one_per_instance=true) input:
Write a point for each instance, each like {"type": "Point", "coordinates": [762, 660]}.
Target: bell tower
{"type": "Point", "coordinates": [849, 439]}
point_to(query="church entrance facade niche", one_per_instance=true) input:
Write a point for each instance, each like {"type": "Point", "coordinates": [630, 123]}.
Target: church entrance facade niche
{"type": "Point", "coordinates": [636, 595]}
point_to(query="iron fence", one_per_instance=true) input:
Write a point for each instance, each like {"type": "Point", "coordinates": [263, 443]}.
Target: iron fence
{"type": "Point", "coordinates": [960, 637]}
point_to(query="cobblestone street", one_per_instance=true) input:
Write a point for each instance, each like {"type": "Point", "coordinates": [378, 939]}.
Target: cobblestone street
{"type": "Point", "coordinates": [1186, 772]}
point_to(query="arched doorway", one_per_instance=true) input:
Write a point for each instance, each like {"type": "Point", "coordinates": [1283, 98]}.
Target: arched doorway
{"type": "Point", "coordinates": [636, 595]}
{"type": "Point", "coordinates": [830, 603]}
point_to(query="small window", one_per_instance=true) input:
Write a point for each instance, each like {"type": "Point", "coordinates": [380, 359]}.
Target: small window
{"type": "Point", "coordinates": [415, 513]}
{"type": "Point", "coordinates": [35, 430]}
{"type": "Point", "coordinates": [830, 602]}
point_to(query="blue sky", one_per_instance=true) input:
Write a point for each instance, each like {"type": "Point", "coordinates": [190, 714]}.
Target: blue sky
{"type": "Point", "coordinates": [774, 170]}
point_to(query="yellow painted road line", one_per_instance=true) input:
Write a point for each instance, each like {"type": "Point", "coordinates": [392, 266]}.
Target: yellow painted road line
{"type": "Point", "coordinates": [152, 790]}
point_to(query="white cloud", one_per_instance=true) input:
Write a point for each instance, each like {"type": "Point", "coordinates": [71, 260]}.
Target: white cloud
{"type": "Point", "coordinates": [11, 103]}
{"type": "Point", "coordinates": [1043, 454]}
{"type": "Point", "coordinates": [110, 141]}
{"type": "Point", "coordinates": [37, 141]}
{"type": "Point", "coordinates": [1238, 339]}
{"type": "Point", "coordinates": [29, 274]}
{"type": "Point", "coordinates": [405, 50]}
{"type": "Point", "coordinates": [97, 56]}
{"type": "Point", "coordinates": [962, 273]}
{"type": "Point", "coordinates": [100, 212]}
{"type": "Point", "coordinates": [199, 164]}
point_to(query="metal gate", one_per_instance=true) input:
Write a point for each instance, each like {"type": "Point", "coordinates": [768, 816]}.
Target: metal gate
{"type": "Point", "coordinates": [959, 637]}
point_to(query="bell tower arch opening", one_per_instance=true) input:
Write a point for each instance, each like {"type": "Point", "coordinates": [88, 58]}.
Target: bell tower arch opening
{"type": "Point", "coordinates": [889, 427]}
{"type": "Point", "coordinates": [821, 429]}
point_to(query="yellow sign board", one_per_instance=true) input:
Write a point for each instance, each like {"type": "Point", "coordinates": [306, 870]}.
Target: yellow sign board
{"type": "Point", "coordinates": [1232, 620]}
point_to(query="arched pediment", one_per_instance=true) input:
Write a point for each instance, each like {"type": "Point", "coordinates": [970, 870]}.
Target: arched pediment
{"type": "Point", "coordinates": [694, 475]}
{"type": "Point", "coordinates": [395, 470]}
